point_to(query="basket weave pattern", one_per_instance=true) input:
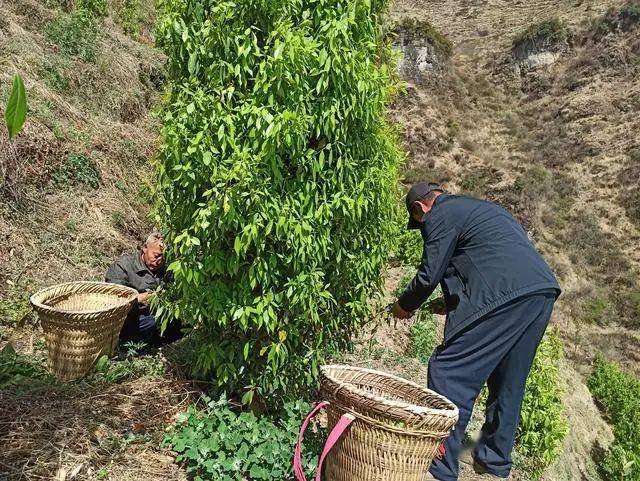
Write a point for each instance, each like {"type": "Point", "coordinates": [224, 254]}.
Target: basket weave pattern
{"type": "Point", "coordinates": [398, 425]}
{"type": "Point", "coordinates": [81, 321]}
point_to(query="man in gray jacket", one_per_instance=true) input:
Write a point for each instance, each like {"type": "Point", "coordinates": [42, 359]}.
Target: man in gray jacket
{"type": "Point", "coordinates": [145, 271]}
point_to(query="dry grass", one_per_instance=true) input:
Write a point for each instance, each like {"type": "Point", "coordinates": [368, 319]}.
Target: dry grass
{"type": "Point", "coordinates": [71, 432]}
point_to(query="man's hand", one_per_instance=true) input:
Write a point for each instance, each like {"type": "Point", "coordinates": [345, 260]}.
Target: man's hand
{"type": "Point", "coordinates": [144, 297]}
{"type": "Point", "coordinates": [399, 312]}
{"type": "Point", "coordinates": [437, 306]}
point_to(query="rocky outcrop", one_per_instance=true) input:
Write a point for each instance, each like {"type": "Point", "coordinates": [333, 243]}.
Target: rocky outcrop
{"type": "Point", "coordinates": [423, 49]}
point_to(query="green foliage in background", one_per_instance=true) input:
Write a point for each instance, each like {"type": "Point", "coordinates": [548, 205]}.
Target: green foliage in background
{"type": "Point", "coordinates": [15, 112]}
{"type": "Point", "coordinates": [408, 244]}
{"type": "Point", "coordinates": [543, 424]}
{"type": "Point", "coordinates": [99, 8]}
{"type": "Point", "coordinates": [423, 335]}
{"type": "Point", "coordinates": [217, 443]}
{"type": "Point", "coordinates": [618, 393]}
{"type": "Point", "coordinates": [129, 16]}
{"type": "Point", "coordinates": [276, 181]}
{"type": "Point", "coordinates": [75, 33]}
{"type": "Point", "coordinates": [77, 169]}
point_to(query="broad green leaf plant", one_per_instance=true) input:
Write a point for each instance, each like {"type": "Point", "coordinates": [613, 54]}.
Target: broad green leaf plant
{"type": "Point", "coordinates": [15, 112]}
{"type": "Point", "coordinates": [277, 180]}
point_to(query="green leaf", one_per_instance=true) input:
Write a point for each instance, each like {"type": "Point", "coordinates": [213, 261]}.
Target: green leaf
{"type": "Point", "coordinates": [193, 63]}
{"type": "Point", "coordinates": [16, 110]}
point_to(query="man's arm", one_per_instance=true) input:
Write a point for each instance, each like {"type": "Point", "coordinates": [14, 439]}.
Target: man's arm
{"type": "Point", "coordinates": [439, 246]}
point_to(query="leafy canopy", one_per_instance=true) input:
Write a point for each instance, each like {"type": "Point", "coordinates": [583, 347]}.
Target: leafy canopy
{"type": "Point", "coordinates": [276, 180]}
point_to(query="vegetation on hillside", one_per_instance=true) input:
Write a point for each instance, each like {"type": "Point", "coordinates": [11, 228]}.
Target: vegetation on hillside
{"type": "Point", "coordinates": [543, 423]}
{"type": "Point", "coordinates": [423, 30]}
{"type": "Point", "coordinates": [618, 393]}
{"type": "Point", "coordinates": [217, 442]}
{"type": "Point", "coordinates": [545, 35]}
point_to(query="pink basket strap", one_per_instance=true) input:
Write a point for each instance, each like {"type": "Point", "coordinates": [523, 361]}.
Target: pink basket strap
{"type": "Point", "coordinates": [335, 435]}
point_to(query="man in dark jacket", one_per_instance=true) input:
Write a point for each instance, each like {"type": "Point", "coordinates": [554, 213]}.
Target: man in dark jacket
{"type": "Point", "coordinates": [499, 294]}
{"type": "Point", "coordinates": [144, 271]}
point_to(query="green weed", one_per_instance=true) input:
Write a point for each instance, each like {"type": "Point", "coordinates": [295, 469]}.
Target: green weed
{"type": "Point", "coordinates": [118, 220]}
{"type": "Point", "coordinates": [75, 33]}
{"type": "Point", "coordinates": [129, 16]}
{"type": "Point", "coordinates": [133, 365]}
{"type": "Point", "coordinates": [15, 306]}
{"type": "Point", "coordinates": [216, 442]}
{"type": "Point", "coordinates": [98, 8]}
{"type": "Point", "coordinates": [103, 473]}
{"type": "Point", "coordinates": [77, 169]}
{"type": "Point", "coordinates": [18, 371]}
{"type": "Point", "coordinates": [595, 309]}
{"type": "Point", "coordinates": [53, 74]}
{"type": "Point", "coordinates": [618, 393]}
{"type": "Point", "coordinates": [423, 336]}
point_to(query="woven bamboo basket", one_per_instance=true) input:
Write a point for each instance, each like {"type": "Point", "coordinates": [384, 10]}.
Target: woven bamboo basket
{"type": "Point", "coordinates": [397, 428]}
{"type": "Point", "coordinates": [81, 322]}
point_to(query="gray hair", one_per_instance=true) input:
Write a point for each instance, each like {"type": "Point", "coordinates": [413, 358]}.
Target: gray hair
{"type": "Point", "coordinates": [153, 239]}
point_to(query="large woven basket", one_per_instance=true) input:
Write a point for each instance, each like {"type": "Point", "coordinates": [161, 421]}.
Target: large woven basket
{"type": "Point", "coordinates": [397, 428]}
{"type": "Point", "coordinates": [81, 322]}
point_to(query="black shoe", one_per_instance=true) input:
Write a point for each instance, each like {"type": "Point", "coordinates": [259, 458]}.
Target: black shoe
{"type": "Point", "coordinates": [480, 468]}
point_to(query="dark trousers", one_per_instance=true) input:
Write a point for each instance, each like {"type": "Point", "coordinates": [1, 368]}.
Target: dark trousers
{"type": "Point", "coordinates": [145, 328]}
{"type": "Point", "coordinates": [497, 350]}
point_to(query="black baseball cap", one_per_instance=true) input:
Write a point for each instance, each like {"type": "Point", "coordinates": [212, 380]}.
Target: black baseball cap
{"type": "Point", "coordinates": [417, 192]}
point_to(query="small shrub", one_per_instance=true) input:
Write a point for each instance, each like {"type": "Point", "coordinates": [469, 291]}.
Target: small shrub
{"type": "Point", "coordinates": [596, 309]}
{"type": "Point", "coordinates": [75, 33]}
{"type": "Point", "coordinates": [77, 169]}
{"type": "Point", "coordinates": [618, 393]}
{"type": "Point", "coordinates": [129, 16]}
{"type": "Point", "coordinates": [543, 425]}
{"type": "Point", "coordinates": [95, 7]}
{"type": "Point", "coordinates": [217, 443]}
{"type": "Point", "coordinates": [540, 36]}
{"type": "Point", "coordinates": [408, 244]}
{"type": "Point", "coordinates": [424, 30]}
{"type": "Point", "coordinates": [54, 76]}
{"type": "Point", "coordinates": [624, 19]}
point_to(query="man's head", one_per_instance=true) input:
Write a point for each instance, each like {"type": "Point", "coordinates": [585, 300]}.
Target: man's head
{"type": "Point", "coordinates": [153, 251]}
{"type": "Point", "coordinates": [420, 200]}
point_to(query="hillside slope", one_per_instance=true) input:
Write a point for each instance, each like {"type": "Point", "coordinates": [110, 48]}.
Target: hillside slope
{"type": "Point", "coordinates": [75, 192]}
{"type": "Point", "coordinates": [537, 108]}
{"type": "Point", "coordinates": [550, 129]}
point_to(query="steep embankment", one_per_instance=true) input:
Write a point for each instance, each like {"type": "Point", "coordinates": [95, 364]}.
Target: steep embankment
{"type": "Point", "coordinates": [536, 107]}
{"type": "Point", "coordinates": [73, 193]}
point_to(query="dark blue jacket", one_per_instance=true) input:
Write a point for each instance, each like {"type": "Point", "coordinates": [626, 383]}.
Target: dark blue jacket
{"type": "Point", "coordinates": [481, 256]}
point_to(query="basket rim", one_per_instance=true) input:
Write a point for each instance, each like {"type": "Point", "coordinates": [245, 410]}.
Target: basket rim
{"type": "Point", "coordinates": [450, 412]}
{"type": "Point", "coordinates": [37, 299]}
